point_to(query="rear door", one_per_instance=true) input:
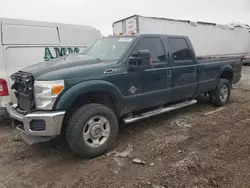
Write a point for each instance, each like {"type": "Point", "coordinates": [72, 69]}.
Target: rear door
{"type": "Point", "coordinates": [184, 79]}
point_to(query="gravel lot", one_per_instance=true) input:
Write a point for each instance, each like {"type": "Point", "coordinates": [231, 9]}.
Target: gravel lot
{"type": "Point", "coordinates": [183, 148]}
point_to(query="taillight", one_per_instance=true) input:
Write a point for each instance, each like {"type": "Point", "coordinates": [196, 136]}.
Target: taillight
{"type": "Point", "coordinates": [243, 58]}
{"type": "Point", "coordinates": [3, 88]}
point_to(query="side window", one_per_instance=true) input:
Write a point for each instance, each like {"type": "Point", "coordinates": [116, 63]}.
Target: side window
{"type": "Point", "coordinates": [155, 47]}
{"type": "Point", "coordinates": [180, 50]}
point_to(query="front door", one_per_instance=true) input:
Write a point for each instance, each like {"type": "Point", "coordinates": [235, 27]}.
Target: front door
{"type": "Point", "coordinates": [155, 88]}
{"type": "Point", "coordinates": [184, 81]}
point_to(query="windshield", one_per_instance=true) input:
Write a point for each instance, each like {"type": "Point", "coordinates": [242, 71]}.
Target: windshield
{"type": "Point", "coordinates": [110, 49]}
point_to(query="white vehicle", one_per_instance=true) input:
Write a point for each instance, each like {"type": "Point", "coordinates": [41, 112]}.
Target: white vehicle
{"type": "Point", "coordinates": [208, 39]}
{"type": "Point", "coordinates": [24, 43]}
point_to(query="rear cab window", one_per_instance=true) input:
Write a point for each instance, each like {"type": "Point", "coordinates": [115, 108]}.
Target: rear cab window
{"type": "Point", "coordinates": [181, 52]}
{"type": "Point", "coordinates": [154, 46]}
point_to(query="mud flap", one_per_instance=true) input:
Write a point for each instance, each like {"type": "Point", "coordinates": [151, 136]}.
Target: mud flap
{"type": "Point", "coordinates": [35, 139]}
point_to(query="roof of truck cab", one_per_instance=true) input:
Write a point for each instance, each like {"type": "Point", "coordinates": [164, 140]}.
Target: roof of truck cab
{"type": "Point", "coordinates": [149, 35]}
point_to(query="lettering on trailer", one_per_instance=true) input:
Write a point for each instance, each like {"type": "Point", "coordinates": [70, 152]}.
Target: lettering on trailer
{"type": "Point", "coordinates": [131, 26]}
{"type": "Point", "coordinates": [58, 52]}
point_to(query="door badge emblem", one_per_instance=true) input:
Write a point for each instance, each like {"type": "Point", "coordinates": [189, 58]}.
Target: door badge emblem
{"type": "Point", "coordinates": [133, 89]}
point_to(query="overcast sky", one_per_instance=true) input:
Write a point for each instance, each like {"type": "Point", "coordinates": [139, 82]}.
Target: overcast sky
{"type": "Point", "coordinates": [102, 13]}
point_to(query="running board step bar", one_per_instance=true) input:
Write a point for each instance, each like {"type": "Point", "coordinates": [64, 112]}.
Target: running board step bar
{"type": "Point", "coordinates": [158, 111]}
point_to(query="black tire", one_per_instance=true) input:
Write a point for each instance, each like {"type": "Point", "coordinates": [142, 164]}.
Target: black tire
{"type": "Point", "coordinates": [77, 124]}
{"type": "Point", "coordinates": [215, 96]}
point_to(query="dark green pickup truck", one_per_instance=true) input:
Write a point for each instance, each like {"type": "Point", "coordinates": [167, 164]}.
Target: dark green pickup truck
{"type": "Point", "coordinates": [82, 96]}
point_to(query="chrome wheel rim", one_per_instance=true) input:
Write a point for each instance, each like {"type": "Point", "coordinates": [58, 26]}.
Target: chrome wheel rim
{"type": "Point", "coordinates": [96, 131]}
{"type": "Point", "coordinates": [224, 93]}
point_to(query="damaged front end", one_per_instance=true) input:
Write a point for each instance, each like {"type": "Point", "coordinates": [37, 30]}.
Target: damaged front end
{"type": "Point", "coordinates": [35, 125]}
{"type": "Point", "coordinates": [24, 91]}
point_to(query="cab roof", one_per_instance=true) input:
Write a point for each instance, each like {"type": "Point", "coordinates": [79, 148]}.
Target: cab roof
{"type": "Point", "coordinates": [149, 35]}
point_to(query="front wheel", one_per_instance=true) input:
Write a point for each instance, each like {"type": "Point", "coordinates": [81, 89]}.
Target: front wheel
{"type": "Point", "coordinates": [92, 130]}
{"type": "Point", "coordinates": [221, 95]}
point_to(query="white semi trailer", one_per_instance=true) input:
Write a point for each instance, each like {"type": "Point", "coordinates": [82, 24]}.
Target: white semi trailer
{"type": "Point", "coordinates": [209, 39]}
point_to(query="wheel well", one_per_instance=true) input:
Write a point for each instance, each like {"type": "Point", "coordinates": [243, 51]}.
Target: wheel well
{"type": "Point", "coordinates": [99, 97]}
{"type": "Point", "coordinates": [227, 75]}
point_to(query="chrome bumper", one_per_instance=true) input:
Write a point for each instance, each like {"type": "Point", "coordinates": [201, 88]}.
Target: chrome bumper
{"type": "Point", "coordinates": [52, 120]}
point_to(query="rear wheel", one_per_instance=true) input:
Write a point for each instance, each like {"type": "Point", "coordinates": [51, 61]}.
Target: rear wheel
{"type": "Point", "coordinates": [221, 95]}
{"type": "Point", "coordinates": [92, 130]}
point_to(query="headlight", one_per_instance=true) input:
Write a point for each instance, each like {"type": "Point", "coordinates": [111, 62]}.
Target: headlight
{"type": "Point", "coordinates": [46, 93]}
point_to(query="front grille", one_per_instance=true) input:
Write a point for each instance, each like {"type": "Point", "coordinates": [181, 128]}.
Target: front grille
{"type": "Point", "coordinates": [19, 110]}
{"type": "Point", "coordinates": [24, 87]}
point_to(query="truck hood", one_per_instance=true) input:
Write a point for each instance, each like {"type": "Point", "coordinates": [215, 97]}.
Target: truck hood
{"type": "Point", "coordinates": [67, 67]}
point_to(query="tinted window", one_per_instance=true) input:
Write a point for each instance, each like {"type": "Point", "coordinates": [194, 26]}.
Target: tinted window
{"type": "Point", "coordinates": [180, 49]}
{"type": "Point", "coordinates": [154, 46]}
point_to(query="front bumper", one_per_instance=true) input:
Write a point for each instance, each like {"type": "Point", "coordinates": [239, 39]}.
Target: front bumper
{"type": "Point", "coordinates": [30, 124]}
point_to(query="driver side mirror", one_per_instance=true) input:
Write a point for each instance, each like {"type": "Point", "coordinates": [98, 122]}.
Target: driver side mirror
{"type": "Point", "coordinates": [140, 60]}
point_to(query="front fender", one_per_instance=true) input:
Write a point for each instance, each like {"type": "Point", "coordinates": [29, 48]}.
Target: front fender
{"type": "Point", "coordinates": [70, 95]}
